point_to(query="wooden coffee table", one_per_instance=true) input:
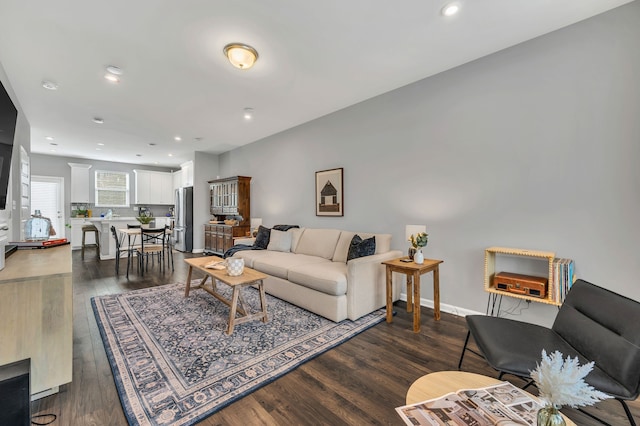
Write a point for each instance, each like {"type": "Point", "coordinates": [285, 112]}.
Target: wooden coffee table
{"type": "Point", "coordinates": [435, 385]}
{"type": "Point", "coordinates": [249, 277]}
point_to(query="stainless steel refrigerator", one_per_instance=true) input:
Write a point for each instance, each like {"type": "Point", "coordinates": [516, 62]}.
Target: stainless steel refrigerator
{"type": "Point", "coordinates": [183, 231]}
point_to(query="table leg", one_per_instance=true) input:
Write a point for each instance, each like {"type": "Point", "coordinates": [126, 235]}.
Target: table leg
{"type": "Point", "coordinates": [409, 292]}
{"type": "Point", "coordinates": [188, 287]}
{"type": "Point", "coordinates": [234, 306]}
{"type": "Point", "coordinates": [389, 296]}
{"type": "Point", "coordinates": [436, 293]}
{"type": "Point", "coordinates": [416, 302]}
{"type": "Point", "coordinates": [263, 301]}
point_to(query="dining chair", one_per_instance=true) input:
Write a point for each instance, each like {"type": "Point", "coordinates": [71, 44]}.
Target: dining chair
{"type": "Point", "coordinates": [120, 249]}
{"type": "Point", "coordinates": [152, 242]}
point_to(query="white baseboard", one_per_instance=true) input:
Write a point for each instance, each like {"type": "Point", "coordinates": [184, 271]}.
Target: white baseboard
{"type": "Point", "coordinates": [450, 309]}
{"type": "Point", "coordinates": [197, 251]}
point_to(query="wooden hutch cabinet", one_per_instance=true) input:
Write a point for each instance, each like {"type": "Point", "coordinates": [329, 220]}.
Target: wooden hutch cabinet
{"type": "Point", "coordinates": [230, 199]}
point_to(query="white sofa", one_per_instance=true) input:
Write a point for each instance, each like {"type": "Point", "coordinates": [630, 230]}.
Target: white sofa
{"type": "Point", "coordinates": [309, 268]}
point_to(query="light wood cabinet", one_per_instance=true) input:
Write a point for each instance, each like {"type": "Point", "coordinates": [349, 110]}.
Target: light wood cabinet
{"type": "Point", "coordinates": [546, 261]}
{"type": "Point", "coordinates": [36, 301]}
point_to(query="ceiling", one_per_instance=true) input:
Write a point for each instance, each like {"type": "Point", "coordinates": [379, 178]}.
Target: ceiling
{"type": "Point", "coordinates": [315, 58]}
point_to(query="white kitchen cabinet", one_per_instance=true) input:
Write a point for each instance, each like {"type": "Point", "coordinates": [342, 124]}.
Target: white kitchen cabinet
{"type": "Point", "coordinates": [80, 187]}
{"type": "Point", "coordinates": [187, 173]}
{"type": "Point", "coordinates": [166, 188]}
{"type": "Point", "coordinates": [76, 233]}
{"type": "Point", "coordinates": [153, 187]}
{"type": "Point", "coordinates": [177, 179]}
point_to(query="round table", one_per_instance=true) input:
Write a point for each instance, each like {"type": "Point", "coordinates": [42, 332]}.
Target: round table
{"type": "Point", "coordinates": [435, 385]}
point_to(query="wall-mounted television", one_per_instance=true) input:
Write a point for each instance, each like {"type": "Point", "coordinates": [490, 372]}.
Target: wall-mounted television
{"type": "Point", "coordinates": [8, 116]}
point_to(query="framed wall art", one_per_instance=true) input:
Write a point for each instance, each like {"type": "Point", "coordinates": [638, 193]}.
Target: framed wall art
{"type": "Point", "coordinates": [329, 193]}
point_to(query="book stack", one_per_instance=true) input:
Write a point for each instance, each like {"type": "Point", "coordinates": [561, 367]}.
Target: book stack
{"type": "Point", "coordinates": [563, 278]}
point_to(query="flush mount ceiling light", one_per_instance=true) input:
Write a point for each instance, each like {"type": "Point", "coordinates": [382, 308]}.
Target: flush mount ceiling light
{"type": "Point", "coordinates": [49, 138]}
{"type": "Point", "coordinates": [240, 55]}
{"type": "Point", "coordinates": [98, 120]}
{"type": "Point", "coordinates": [113, 73]}
{"type": "Point", "coordinates": [177, 138]}
{"type": "Point", "coordinates": [450, 9]}
{"type": "Point", "coordinates": [49, 85]}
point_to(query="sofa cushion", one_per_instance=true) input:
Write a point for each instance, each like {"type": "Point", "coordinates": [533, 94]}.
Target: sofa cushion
{"type": "Point", "coordinates": [318, 242]}
{"type": "Point", "coordinates": [296, 234]}
{"type": "Point", "coordinates": [279, 241]}
{"type": "Point", "coordinates": [329, 277]}
{"type": "Point", "coordinates": [383, 244]}
{"type": "Point", "coordinates": [361, 248]}
{"type": "Point", "coordinates": [262, 237]}
{"type": "Point", "coordinates": [278, 264]}
{"type": "Point", "coordinates": [250, 256]}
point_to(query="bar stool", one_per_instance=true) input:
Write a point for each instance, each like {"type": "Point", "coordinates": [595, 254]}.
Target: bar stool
{"type": "Point", "coordinates": [91, 228]}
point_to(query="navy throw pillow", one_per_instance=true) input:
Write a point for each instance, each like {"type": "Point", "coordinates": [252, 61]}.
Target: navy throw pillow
{"type": "Point", "coordinates": [360, 248]}
{"type": "Point", "coordinates": [262, 237]}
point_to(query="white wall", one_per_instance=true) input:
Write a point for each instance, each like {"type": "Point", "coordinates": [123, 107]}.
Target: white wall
{"type": "Point", "coordinates": [205, 168]}
{"type": "Point", "coordinates": [532, 147]}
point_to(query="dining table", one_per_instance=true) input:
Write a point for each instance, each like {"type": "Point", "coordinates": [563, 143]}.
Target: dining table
{"type": "Point", "coordinates": [132, 234]}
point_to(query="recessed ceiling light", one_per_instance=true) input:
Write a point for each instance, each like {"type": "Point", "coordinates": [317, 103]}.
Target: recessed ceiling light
{"type": "Point", "coordinates": [248, 114]}
{"type": "Point", "coordinates": [53, 144]}
{"type": "Point", "coordinates": [152, 144]}
{"type": "Point", "coordinates": [98, 120]}
{"type": "Point", "coordinates": [240, 55]}
{"type": "Point", "coordinates": [100, 144]}
{"type": "Point", "coordinates": [138, 155]}
{"type": "Point", "coordinates": [112, 69]}
{"type": "Point", "coordinates": [49, 138]}
{"type": "Point", "coordinates": [113, 73]}
{"type": "Point", "coordinates": [98, 149]}
{"type": "Point", "coordinates": [49, 85]}
{"type": "Point", "coordinates": [450, 9]}
{"type": "Point", "coordinates": [112, 78]}
{"type": "Point", "coordinates": [198, 139]}
{"type": "Point", "coordinates": [170, 155]}
{"type": "Point", "coordinates": [177, 138]}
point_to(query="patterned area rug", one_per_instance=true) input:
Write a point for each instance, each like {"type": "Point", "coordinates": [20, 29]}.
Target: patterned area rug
{"type": "Point", "coordinates": [173, 363]}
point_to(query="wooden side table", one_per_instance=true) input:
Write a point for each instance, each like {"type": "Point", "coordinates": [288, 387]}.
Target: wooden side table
{"type": "Point", "coordinates": [413, 271]}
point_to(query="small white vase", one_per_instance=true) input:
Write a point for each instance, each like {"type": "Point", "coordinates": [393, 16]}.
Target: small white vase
{"type": "Point", "coordinates": [418, 258]}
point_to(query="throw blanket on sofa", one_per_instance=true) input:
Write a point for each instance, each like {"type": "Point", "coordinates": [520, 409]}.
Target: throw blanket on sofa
{"type": "Point", "coordinates": [240, 247]}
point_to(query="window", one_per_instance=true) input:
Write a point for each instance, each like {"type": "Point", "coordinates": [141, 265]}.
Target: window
{"type": "Point", "coordinates": [112, 189]}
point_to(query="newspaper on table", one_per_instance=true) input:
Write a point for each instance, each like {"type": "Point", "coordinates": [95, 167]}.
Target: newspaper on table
{"type": "Point", "coordinates": [503, 404]}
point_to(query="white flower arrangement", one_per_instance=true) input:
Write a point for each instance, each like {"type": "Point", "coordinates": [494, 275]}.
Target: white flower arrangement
{"type": "Point", "coordinates": [560, 382]}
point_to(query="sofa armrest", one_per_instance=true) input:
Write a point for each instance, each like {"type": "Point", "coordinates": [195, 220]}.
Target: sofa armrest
{"type": "Point", "coordinates": [244, 240]}
{"type": "Point", "coordinates": [366, 280]}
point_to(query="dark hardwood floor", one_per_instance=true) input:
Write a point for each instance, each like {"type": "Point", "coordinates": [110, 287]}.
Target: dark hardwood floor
{"type": "Point", "coordinates": [358, 383]}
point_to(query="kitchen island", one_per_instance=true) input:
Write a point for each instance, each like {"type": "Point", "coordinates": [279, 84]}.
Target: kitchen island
{"type": "Point", "coordinates": [107, 243]}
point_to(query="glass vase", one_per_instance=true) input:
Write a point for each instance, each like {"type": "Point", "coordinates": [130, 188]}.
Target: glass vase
{"type": "Point", "coordinates": [412, 251]}
{"type": "Point", "coordinates": [550, 416]}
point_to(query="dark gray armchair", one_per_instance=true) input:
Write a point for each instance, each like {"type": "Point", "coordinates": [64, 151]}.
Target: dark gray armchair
{"type": "Point", "coordinates": [593, 324]}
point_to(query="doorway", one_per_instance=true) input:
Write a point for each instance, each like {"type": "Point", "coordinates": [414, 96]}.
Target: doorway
{"type": "Point", "coordinates": [47, 195]}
